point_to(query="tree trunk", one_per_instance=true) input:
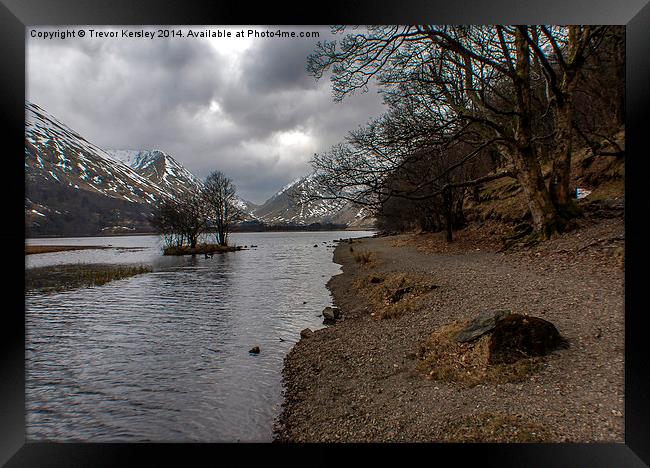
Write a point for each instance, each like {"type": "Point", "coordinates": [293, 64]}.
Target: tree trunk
{"type": "Point", "coordinates": [527, 167]}
{"type": "Point", "coordinates": [476, 194]}
{"type": "Point", "coordinates": [620, 77]}
{"type": "Point", "coordinates": [537, 196]}
{"type": "Point", "coordinates": [449, 214]}
{"type": "Point", "coordinates": [560, 182]}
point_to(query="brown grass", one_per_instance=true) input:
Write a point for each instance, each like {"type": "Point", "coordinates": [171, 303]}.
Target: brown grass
{"type": "Point", "coordinates": [496, 427]}
{"type": "Point", "coordinates": [394, 294]}
{"type": "Point", "coordinates": [363, 257]}
{"type": "Point", "coordinates": [484, 237]}
{"type": "Point", "coordinates": [62, 277]}
{"type": "Point", "coordinates": [38, 249]}
{"type": "Point", "coordinates": [443, 358]}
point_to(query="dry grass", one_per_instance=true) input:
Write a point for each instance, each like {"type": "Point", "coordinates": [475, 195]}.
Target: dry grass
{"type": "Point", "coordinates": [443, 358]}
{"type": "Point", "coordinates": [496, 427]}
{"type": "Point", "coordinates": [363, 257]}
{"type": "Point", "coordinates": [63, 277]}
{"type": "Point", "coordinates": [484, 237]}
{"type": "Point", "coordinates": [38, 249]}
{"type": "Point", "coordinates": [394, 294]}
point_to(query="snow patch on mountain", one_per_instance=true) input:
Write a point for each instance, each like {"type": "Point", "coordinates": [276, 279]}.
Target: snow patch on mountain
{"type": "Point", "coordinates": [303, 201]}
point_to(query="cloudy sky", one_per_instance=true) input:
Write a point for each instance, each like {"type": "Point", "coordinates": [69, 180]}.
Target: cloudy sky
{"type": "Point", "coordinates": [245, 106]}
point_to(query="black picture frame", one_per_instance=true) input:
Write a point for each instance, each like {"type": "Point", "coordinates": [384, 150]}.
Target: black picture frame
{"type": "Point", "coordinates": [15, 15]}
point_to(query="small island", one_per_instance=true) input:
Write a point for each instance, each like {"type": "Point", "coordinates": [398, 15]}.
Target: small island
{"type": "Point", "coordinates": [207, 209]}
{"type": "Point", "coordinates": [201, 249]}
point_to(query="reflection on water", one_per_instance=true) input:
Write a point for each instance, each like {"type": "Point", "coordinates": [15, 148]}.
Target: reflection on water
{"type": "Point", "coordinates": [164, 356]}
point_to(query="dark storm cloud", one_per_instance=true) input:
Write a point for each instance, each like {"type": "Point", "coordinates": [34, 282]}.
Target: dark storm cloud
{"type": "Point", "coordinates": [245, 107]}
{"type": "Point", "coordinates": [268, 68]}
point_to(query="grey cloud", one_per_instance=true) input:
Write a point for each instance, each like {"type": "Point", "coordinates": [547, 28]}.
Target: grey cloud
{"type": "Point", "coordinates": [269, 68]}
{"type": "Point", "coordinates": [185, 98]}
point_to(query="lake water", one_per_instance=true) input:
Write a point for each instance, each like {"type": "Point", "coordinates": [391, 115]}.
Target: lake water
{"type": "Point", "coordinates": [164, 356]}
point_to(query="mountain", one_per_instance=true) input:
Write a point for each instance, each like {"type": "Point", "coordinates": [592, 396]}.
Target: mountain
{"type": "Point", "coordinates": [74, 187]}
{"type": "Point", "coordinates": [293, 204]}
{"type": "Point", "coordinates": [168, 174]}
{"type": "Point", "coordinates": [158, 168]}
{"type": "Point", "coordinates": [55, 153]}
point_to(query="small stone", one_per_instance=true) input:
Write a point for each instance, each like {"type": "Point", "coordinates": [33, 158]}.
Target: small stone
{"type": "Point", "coordinates": [255, 350]}
{"type": "Point", "coordinates": [399, 294]}
{"type": "Point", "coordinates": [306, 333]}
{"type": "Point", "coordinates": [331, 313]}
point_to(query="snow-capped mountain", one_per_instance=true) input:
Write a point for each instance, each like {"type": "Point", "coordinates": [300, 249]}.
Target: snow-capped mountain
{"type": "Point", "coordinates": [159, 168]}
{"type": "Point", "coordinates": [294, 204]}
{"type": "Point", "coordinates": [56, 153]}
{"type": "Point", "coordinates": [74, 187]}
{"type": "Point", "coordinates": [168, 174]}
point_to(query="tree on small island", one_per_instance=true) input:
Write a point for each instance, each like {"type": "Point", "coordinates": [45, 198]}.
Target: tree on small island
{"type": "Point", "coordinates": [183, 218]}
{"type": "Point", "coordinates": [219, 197]}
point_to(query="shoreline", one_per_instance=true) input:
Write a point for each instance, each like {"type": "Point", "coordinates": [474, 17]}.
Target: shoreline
{"type": "Point", "coordinates": [359, 380]}
{"type": "Point", "coordinates": [252, 231]}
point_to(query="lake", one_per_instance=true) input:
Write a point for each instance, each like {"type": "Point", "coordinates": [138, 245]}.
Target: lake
{"type": "Point", "coordinates": [164, 356]}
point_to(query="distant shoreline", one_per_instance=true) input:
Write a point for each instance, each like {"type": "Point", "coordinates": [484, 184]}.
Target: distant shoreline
{"type": "Point", "coordinates": [130, 234]}
{"type": "Point", "coordinates": [34, 249]}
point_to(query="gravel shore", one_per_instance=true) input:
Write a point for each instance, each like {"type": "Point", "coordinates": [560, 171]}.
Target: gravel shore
{"type": "Point", "coordinates": [358, 380]}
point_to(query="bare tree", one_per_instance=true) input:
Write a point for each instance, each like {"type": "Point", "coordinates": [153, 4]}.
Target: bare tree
{"type": "Point", "coordinates": [219, 197]}
{"type": "Point", "coordinates": [483, 79]}
{"type": "Point", "coordinates": [562, 53]}
{"type": "Point", "coordinates": [181, 219]}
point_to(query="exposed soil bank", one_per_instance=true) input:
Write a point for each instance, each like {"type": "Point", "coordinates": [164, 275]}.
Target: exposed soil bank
{"type": "Point", "coordinates": [358, 380]}
{"type": "Point", "coordinates": [205, 249]}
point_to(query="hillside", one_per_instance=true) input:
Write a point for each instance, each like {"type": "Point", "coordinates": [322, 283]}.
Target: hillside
{"type": "Point", "coordinates": [601, 180]}
{"type": "Point", "coordinates": [293, 204]}
{"type": "Point", "coordinates": [74, 187]}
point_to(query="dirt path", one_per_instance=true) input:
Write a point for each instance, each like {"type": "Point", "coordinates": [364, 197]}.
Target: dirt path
{"type": "Point", "coordinates": [358, 381]}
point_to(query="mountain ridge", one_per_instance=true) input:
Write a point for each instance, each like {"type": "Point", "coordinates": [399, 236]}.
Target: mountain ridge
{"type": "Point", "coordinates": [74, 187]}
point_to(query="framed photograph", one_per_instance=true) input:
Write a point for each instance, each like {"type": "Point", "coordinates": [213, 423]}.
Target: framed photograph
{"type": "Point", "coordinates": [242, 226]}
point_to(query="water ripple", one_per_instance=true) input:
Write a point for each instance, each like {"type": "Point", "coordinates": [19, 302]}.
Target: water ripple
{"type": "Point", "coordinates": [164, 356]}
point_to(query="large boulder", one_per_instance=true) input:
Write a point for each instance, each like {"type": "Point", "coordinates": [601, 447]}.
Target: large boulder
{"type": "Point", "coordinates": [515, 336]}
{"type": "Point", "coordinates": [484, 323]}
